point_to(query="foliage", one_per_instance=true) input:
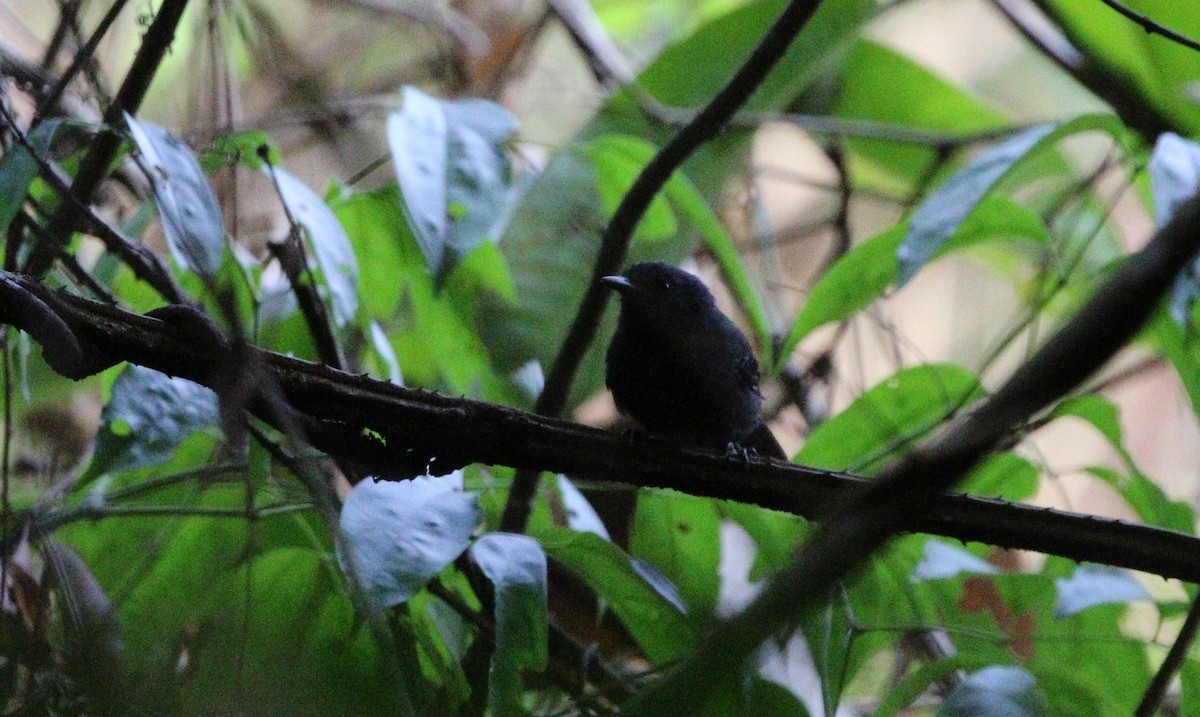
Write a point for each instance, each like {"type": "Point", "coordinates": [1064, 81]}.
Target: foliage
{"type": "Point", "coordinates": [202, 567]}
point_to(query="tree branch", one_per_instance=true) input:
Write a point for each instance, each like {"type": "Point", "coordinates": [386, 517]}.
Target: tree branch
{"type": "Point", "coordinates": [420, 428]}
{"type": "Point", "coordinates": [1110, 83]}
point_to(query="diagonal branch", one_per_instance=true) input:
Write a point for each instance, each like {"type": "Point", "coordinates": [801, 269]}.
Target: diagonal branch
{"type": "Point", "coordinates": [615, 242]}
{"type": "Point", "coordinates": [1103, 78]}
{"type": "Point", "coordinates": [863, 520]}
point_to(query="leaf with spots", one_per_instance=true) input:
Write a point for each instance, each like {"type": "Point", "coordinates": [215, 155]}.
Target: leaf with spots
{"type": "Point", "coordinates": [395, 536]}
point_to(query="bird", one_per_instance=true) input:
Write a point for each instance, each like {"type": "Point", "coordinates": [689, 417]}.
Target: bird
{"type": "Point", "coordinates": [682, 369]}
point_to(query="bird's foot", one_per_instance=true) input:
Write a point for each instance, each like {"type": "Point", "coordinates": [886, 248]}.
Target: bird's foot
{"type": "Point", "coordinates": [733, 449]}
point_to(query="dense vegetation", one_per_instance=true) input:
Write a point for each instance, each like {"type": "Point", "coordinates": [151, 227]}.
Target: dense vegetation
{"type": "Point", "coordinates": [283, 398]}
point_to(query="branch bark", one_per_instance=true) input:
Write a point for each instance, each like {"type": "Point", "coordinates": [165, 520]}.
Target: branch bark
{"type": "Point", "coordinates": [419, 429]}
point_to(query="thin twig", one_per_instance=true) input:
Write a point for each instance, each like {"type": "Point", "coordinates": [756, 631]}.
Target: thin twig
{"type": "Point", "coordinates": [292, 257]}
{"type": "Point", "coordinates": [1110, 83]}
{"type": "Point", "coordinates": [589, 35]}
{"type": "Point", "coordinates": [1153, 27]}
{"type": "Point", "coordinates": [94, 165]}
{"type": "Point", "coordinates": [5, 456]}
{"type": "Point", "coordinates": [82, 56]}
{"type": "Point", "coordinates": [1157, 689]}
{"type": "Point", "coordinates": [101, 512]}
{"type": "Point", "coordinates": [145, 265]}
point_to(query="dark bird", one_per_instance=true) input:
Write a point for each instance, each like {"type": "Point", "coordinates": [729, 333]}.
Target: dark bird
{"type": "Point", "coordinates": [681, 368]}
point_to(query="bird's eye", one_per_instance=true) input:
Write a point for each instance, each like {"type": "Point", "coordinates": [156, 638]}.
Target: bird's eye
{"type": "Point", "coordinates": [666, 285]}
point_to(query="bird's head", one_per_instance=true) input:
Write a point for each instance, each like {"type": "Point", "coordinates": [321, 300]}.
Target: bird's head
{"type": "Point", "coordinates": [657, 291]}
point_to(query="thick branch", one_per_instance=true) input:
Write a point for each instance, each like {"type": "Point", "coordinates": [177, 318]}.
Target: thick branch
{"type": "Point", "coordinates": [420, 427]}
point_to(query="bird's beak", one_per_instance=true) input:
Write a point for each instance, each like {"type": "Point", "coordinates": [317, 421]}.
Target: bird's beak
{"type": "Point", "coordinates": [619, 284]}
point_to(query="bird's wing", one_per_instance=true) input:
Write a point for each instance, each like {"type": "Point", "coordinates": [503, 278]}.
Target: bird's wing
{"type": "Point", "coordinates": [747, 372]}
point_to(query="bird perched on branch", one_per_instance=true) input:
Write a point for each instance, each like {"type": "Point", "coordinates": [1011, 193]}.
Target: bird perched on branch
{"type": "Point", "coordinates": [681, 368]}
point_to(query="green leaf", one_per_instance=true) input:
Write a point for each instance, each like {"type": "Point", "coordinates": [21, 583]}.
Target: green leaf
{"type": "Point", "coordinates": [764, 698]}
{"type": "Point", "coordinates": [396, 535]}
{"type": "Point", "coordinates": [1180, 347]}
{"type": "Point", "coordinates": [890, 416]}
{"type": "Point", "coordinates": [243, 148]}
{"type": "Point", "coordinates": [916, 98]}
{"type": "Point", "coordinates": [328, 239]}
{"type": "Point", "coordinates": [516, 566]}
{"type": "Point", "coordinates": [775, 534]}
{"type": "Point", "coordinates": [690, 204]}
{"type": "Point", "coordinates": [550, 245]}
{"type": "Point", "coordinates": [939, 216]}
{"type": "Point", "coordinates": [1146, 498]}
{"type": "Point", "coordinates": [689, 72]}
{"type": "Point", "coordinates": [432, 332]}
{"type": "Point", "coordinates": [184, 557]}
{"type": "Point", "coordinates": [1189, 681]}
{"type": "Point", "coordinates": [148, 416]}
{"type": "Point", "coordinates": [830, 634]}
{"type": "Point", "coordinates": [864, 273]}
{"type": "Point", "coordinates": [190, 214]}
{"type": "Point", "coordinates": [453, 175]}
{"type": "Point", "coordinates": [379, 236]}
{"type": "Point", "coordinates": [652, 620]}
{"type": "Point", "coordinates": [1154, 71]}
{"type": "Point", "coordinates": [855, 280]}
{"type": "Point", "coordinates": [617, 161]}
{"type": "Point", "coordinates": [18, 169]}
{"type": "Point", "coordinates": [1002, 475]}
{"type": "Point", "coordinates": [284, 619]}
{"type": "Point", "coordinates": [997, 691]}
{"type": "Point", "coordinates": [679, 535]}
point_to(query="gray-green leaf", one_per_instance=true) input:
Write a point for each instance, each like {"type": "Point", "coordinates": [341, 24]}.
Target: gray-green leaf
{"type": "Point", "coordinates": [329, 241]}
{"type": "Point", "coordinates": [516, 566]}
{"type": "Point", "coordinates": [996, 691]}
{"type": "Point", "coordinates": [190, 214]}
{"type": "Point", "coordinates": [148, 416]}
{"type": "Point", "coordinates": [395, 536]}
{"type": "Point", "coordinates": [454, 178]}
